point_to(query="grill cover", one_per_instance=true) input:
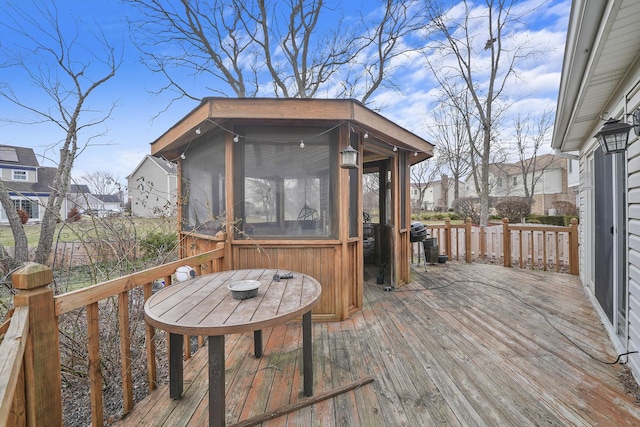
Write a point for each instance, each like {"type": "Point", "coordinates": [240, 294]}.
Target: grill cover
{"type": "Point", "coordinates": [418, 232]}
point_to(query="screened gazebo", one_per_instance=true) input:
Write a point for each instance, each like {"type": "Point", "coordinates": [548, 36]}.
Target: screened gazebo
{"type": "Point", "coordinates": [268, 178]}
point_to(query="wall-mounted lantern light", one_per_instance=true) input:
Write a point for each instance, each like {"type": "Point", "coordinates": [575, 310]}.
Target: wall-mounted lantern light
{"type": "Point", "coordinates": [349, 158]}
{"type": "Point", "coordinates": [613, 136]}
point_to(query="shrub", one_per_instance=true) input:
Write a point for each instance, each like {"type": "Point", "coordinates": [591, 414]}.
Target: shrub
{"type": "Point", "coordinates": [24, 216]}
{"type": "Point", "coordinates": [74, 215]}
{"type": "Point", "coordinates": [565, 208]}
{"type": "Point", "coordinates": [158, 244]}
{"type": "Point", "coordinates": [561, 221]}
{"type": "Point", "coordinates": [513, 208]}
{"type": "Point", "coordinates": [468, 207]}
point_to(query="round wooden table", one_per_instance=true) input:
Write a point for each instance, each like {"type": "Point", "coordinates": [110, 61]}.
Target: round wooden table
{"type": "Point", "coordinates": [204, 306]}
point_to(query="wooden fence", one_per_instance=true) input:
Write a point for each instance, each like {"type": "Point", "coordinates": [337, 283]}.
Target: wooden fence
{"type": "Point", "coordinates": [526, 245]}
{"type": "Point", "coordinates": [30, 369]}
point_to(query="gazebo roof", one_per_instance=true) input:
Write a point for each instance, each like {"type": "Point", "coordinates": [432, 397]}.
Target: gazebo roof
{"type": "Point", "coordinates": [214, 112]}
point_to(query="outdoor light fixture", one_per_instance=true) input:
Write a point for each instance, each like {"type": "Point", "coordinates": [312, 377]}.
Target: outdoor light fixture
{"type": "Point", "coordinates": [366, 135]}
{"type": "Point", "coordinates": [349, 158]}
{"type": "Point", "coordinates": [236, 138]}
{"type": "Point", "coordinates": [613, 136]}
{"type": "Point", "coordinates": [302, 143]}
{"type": "Point", "coordinates": [198, 131]}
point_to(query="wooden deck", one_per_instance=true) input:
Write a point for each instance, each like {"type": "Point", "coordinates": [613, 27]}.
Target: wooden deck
{"type": "Point", "coordinates": [463, 344]}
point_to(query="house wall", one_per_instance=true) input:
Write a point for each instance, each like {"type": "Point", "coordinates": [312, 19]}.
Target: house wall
{"type": "Point", "coordinates": [150, 192]}
{"type": "Point", "coordinates": [573, 173]}
{"type": "Point", "coordinates": [433, 196]}
{"type": "Point", "coordinates": [630, 230]}
{"type": "Point", "coordinates": [633, 228]}
{"type": "Point", "coordinates": [551, 187]}
{"type": "Point", "coordinates": [6, 174]}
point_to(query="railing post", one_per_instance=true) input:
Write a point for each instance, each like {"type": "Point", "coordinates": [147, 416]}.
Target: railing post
{"type": "Point", "coordinates": [43, 384]}
{"type": "Point", "coordinates": [574, 263]}
{"type": "Point", "coordinates": [506, 243]}
{"type": "Point", "coordinates": [467, 241]}
{"type": "Point", "coordinates": [447, 237]}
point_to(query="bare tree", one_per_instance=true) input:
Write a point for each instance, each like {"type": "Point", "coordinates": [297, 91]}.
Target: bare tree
{"type": "Point", "coordinates": [205, 38]}
{"type": "Point", "coordinates": [102, 182]}
{"type": "Point", "coordinates": [384, 41]}
{"type": "Point", "coordinates": [67, 72]}
{"type": "Point", "coordinates": [530, 132]}
{"type": "Point", "coordinates": [422, 177]}
{"type": "Point", "coordinates": [450, 130]}
{"type": "Point", "coordinates": [473, 48]}
{"type": "Point", "coordinates": [291, 49]}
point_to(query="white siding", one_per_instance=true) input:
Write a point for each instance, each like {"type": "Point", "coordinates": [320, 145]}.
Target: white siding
{"type": "Point", "coordinates": [151, 190]}
{"type": "Point", "coordinates": [633, 230]}
{"type": "Point", "coordinates": [573, 173]}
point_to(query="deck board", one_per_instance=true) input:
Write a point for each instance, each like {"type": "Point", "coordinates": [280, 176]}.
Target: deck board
{"type": "Point", "coordinates": [462, 344]}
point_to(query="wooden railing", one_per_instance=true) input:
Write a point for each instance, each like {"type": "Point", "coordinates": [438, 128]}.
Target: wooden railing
{"type": "Point", "coordinates": [14, 334]}
{"type": "Point", "coordinates": [42, 385]}
{"type": "Point", "coordinates": [524, 245]}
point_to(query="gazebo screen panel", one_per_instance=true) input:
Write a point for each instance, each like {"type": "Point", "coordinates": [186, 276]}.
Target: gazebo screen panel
{"type": "Point", "coordinates": [283, 183]}
{"type": "Point", "coordinates": [203, 185]}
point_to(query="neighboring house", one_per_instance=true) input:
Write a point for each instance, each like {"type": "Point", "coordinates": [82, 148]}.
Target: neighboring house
{"type": "Point", "coordinates": [551, 190]}
{"type": "Point", "coordinates": [81, 198]}
{"type": "Point", "coordinates": [438, 195]}
{"type": "Point", "coordinates": [152, 187]}
{"type": "Point", "coordinates": [600, 80]}
{"type": "Point", "coordinates": [28, 183]}
{"type": "Point", "coordinates": [109, 202]}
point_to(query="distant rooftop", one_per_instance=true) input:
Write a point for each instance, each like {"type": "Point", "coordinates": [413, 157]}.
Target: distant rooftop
{"type": "Point", "coordinates": [18, 156]}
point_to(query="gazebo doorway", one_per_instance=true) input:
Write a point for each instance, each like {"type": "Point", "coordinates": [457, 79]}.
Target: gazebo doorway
{"type": "Point", "coordinates": [378, 219]}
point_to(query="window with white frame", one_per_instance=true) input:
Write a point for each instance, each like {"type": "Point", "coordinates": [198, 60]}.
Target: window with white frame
{"type": "Point", "coordinates": [19, 175]}
{"type": "Point", "coordinates": [29, 206]}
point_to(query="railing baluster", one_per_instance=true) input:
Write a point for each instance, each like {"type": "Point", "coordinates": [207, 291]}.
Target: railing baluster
{"type": "Point", "coordinates": [95, 371]}
{"type": "Point", "coordinates": [125, 351]}
{"type": "Point", "coordinates": [534, 257]}
{"type": "Point", "coordinates": [150, 343]}
{"type": "Point", "coordinates": [544, 250]}
{"type": "Point", "coordinates": [558, 252]}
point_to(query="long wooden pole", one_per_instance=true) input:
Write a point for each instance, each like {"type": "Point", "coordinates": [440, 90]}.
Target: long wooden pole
{"type": "Point", "coordinates": [304, 403]}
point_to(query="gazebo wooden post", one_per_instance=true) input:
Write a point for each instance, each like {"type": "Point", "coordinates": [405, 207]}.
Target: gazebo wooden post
{"type": "Point", "coordinates": [447, 237]}
{"type": "Point", "coordinates": [43, 381]}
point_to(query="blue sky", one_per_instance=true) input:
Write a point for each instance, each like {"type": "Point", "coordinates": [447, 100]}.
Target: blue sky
{"type": "Point", "coordinates": [136, 120]}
